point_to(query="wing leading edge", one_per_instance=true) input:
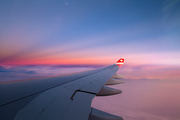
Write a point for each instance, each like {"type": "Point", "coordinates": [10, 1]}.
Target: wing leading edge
{"type": "Point", "coordinates": [57, 98]}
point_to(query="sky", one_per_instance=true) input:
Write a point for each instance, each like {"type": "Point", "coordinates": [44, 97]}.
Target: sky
{"type": "Point", "coordinates": [89, 32]}
{"type": "Point", "coordinates": [67, 32]}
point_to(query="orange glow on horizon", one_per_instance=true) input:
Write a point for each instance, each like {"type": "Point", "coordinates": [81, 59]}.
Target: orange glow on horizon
{"type": "Point", "coordinates": [77, 61]}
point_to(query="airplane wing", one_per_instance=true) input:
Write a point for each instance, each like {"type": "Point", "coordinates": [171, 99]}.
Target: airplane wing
{"type": "Point", "coordinates": [65, 97]}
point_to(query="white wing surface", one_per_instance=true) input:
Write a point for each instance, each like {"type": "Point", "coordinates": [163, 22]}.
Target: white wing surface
{"type": "Point", "coordinates": [57, 98]}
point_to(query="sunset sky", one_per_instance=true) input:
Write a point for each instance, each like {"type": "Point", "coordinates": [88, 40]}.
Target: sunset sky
{"type": "Point", "coordinates": [96, 32]}
{"type": "Point", "coordinates": [41, 38]}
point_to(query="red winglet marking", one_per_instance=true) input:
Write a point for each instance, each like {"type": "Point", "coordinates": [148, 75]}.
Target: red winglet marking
{"type": "Point", "coordinates": [120, 61]}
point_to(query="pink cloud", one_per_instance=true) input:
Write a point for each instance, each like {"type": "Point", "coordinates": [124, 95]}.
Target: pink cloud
{"type": "Point", "coordinates": [150, 72]}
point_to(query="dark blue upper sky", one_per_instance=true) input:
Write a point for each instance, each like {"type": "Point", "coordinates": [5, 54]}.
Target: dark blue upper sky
{"type": "Point", "coordinates": [66, 26]}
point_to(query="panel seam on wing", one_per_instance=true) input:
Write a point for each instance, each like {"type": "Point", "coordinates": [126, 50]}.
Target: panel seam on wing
{"type": "Point", "coordinates": [81, 91]}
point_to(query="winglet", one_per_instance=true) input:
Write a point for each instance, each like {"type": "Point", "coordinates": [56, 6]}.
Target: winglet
{"type": "Point", "coordinates": [120, 62]}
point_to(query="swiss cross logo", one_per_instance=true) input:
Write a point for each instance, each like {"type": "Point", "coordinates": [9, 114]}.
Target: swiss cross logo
{"type": "Point", "coordinates": [120, 61]}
